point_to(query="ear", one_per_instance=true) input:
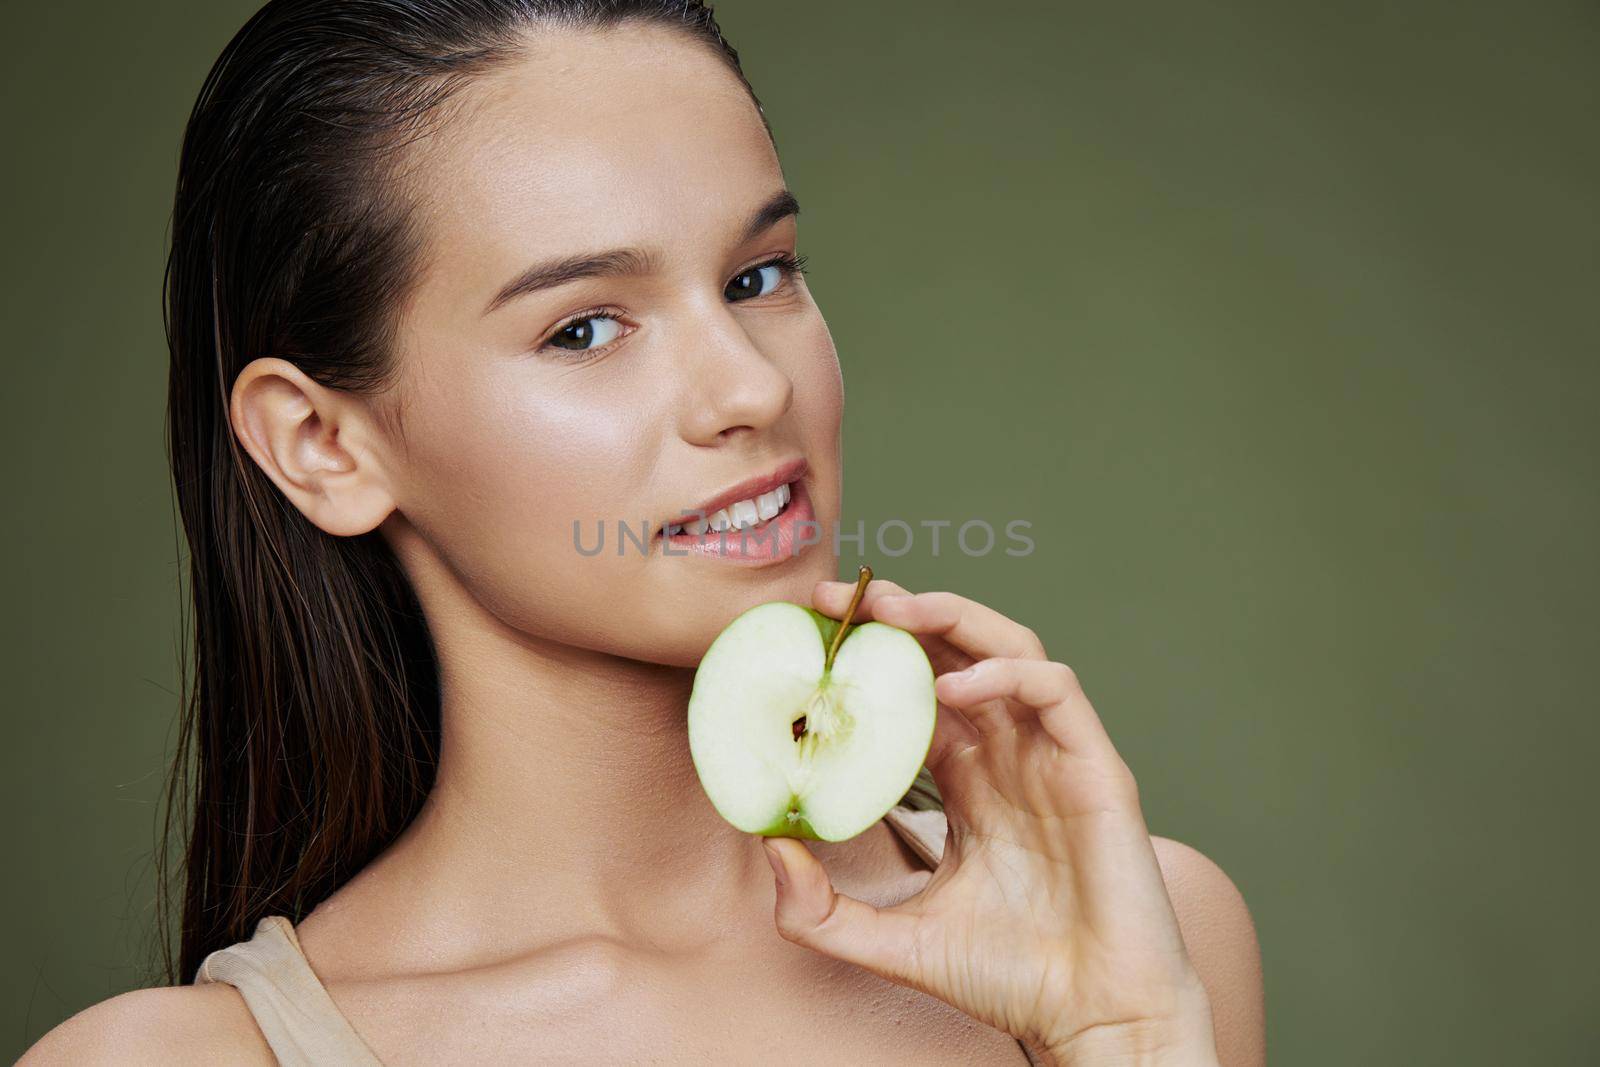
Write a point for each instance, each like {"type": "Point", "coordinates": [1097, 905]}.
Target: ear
{"type": "Point", "coordinates": [315, 443]}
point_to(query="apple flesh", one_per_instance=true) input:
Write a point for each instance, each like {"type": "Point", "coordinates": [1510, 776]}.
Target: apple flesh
{"type": "Point", "coordinates": [787, 746]}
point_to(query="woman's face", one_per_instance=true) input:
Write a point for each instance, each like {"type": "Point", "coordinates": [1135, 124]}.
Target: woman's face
{"type": "Point", "coordinates": [625, 398]}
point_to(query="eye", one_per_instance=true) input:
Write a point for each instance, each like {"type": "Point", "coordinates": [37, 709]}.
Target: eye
{"type": "Point", "coordinates": [594, 329]}
{"type": "Point", "coordinates": [581, 335]}
{"type": "Point", "coordinates": [765, 277]}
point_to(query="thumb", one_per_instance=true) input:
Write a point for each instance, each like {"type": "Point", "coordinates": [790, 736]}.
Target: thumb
{"type": "Point", "coordinates": [810, 912]}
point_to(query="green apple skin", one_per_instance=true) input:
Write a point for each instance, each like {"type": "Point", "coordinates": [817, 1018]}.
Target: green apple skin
{"type": "Point", "coordinates": [792, 823]}
{"type": "Point", "coordinates": [783, 826]}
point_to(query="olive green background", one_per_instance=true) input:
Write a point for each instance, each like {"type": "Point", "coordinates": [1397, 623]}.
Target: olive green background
{"type": "Point", "coordinates": [1277, 322]}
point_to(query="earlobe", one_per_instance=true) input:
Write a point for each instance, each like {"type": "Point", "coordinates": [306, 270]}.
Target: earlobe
{"type": "Point", "coordinates": [308, 439]}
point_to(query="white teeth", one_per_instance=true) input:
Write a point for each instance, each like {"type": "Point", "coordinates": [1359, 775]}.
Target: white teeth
{"type": "Point", "coordinates": [744, 514]}
{"type": "Point", "coordinates": [738, 516]}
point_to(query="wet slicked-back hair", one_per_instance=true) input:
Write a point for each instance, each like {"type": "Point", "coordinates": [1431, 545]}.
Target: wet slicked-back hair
{"type": "Point", "coordinates": [309, 727]}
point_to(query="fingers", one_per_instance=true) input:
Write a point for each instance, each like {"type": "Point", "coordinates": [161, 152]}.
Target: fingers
{"type": "Point", "coordinates": [834, 597]}
{"type": "Point", "coordinates": [979, 631]}
{"type": "Point", "coordinates": [1051, 689]}
{"type": "Point", "coordinates": [809, 912]}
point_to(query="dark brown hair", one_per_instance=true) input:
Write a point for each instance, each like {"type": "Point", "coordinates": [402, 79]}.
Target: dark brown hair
{"type": "Point", "coordinates": [308, 734]}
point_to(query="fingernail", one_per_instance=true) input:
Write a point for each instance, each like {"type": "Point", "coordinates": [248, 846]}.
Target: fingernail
{"type": "Point", "coordinates": [777, 863]}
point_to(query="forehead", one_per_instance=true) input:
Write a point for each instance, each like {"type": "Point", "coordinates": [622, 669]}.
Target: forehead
{"type": "Point", "coordinates": [636, 134]}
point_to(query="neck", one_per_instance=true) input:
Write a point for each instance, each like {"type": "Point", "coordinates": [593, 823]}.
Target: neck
{"type": "Point", "coordinates": [561, 761]}
{"type": "Point", "coordinates": [566, 787]}
{"type": "Point", "coordinates": [566, 806]}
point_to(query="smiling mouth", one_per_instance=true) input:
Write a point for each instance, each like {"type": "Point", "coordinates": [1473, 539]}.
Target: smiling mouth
{"type": "Point", "coordinates": [740, 515]}
{"type": "Point", "coordinates": [744, 506]}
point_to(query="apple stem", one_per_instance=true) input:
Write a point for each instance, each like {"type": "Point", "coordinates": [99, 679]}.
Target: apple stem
{"type": "Point", "coordinates": [863, 576]}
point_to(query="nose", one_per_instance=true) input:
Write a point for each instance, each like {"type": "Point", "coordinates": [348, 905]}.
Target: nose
{"type": "Point", "coordinates": [732, 386]}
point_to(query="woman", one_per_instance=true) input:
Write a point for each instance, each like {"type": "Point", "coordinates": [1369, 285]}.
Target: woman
{"type": "Point", "coordinates": [448, 278]}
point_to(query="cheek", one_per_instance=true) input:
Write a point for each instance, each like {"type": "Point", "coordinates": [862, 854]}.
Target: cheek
{"type": "Point", "coordinates": [824, 378]}
{"type": "Point", "coordinates": [819, 408]}
{"type": "Point", "coordinates": [500, 467]}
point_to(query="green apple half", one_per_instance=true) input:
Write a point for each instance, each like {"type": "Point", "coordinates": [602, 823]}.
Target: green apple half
{"type": "Point", "coordinates": [787, 745]}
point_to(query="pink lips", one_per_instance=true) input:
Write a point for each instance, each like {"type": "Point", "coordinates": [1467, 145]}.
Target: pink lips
{"type": "Point", "coordinates": [784, 535]}
{"type": "Point", "coordinates": [748, 489]}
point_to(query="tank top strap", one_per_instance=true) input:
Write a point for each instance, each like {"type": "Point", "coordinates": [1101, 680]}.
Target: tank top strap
{"type": "Point", "coordinates": [299, 1019]}
{"type": "Point", "coordinates": [923, 831]}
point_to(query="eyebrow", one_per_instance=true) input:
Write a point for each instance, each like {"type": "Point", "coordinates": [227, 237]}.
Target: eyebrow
{"type": "Point", "coordinates": [620, 261]}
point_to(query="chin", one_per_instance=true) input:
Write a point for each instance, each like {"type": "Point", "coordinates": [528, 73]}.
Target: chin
{"type": "Point", "coordinates": [711, 594]}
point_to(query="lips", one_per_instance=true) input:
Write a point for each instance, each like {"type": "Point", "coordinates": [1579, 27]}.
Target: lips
{"type": "Point", "coordinates": [766, 543]}
{"type": "Point", "coordinates": [747, 490]}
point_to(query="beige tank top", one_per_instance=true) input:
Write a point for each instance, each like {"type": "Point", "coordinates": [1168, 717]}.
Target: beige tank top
{"type": "Point", "coordinates": [306, 1029]}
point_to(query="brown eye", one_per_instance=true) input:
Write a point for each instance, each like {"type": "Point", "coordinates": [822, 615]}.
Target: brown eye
{"type": "Point", "coordinates": [757, 281]}
{"type": "Point", "coordinates": [580, 335]}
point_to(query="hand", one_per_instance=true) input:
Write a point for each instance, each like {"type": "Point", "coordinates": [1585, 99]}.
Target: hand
{"type": "Point", "coordinates": [1047, 917]}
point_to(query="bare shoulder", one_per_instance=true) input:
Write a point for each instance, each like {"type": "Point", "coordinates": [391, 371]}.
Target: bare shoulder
{"type": "Point", "coordinates": [1221, 939]}
{"type": "Point", "coordinates": [178, 1025]}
